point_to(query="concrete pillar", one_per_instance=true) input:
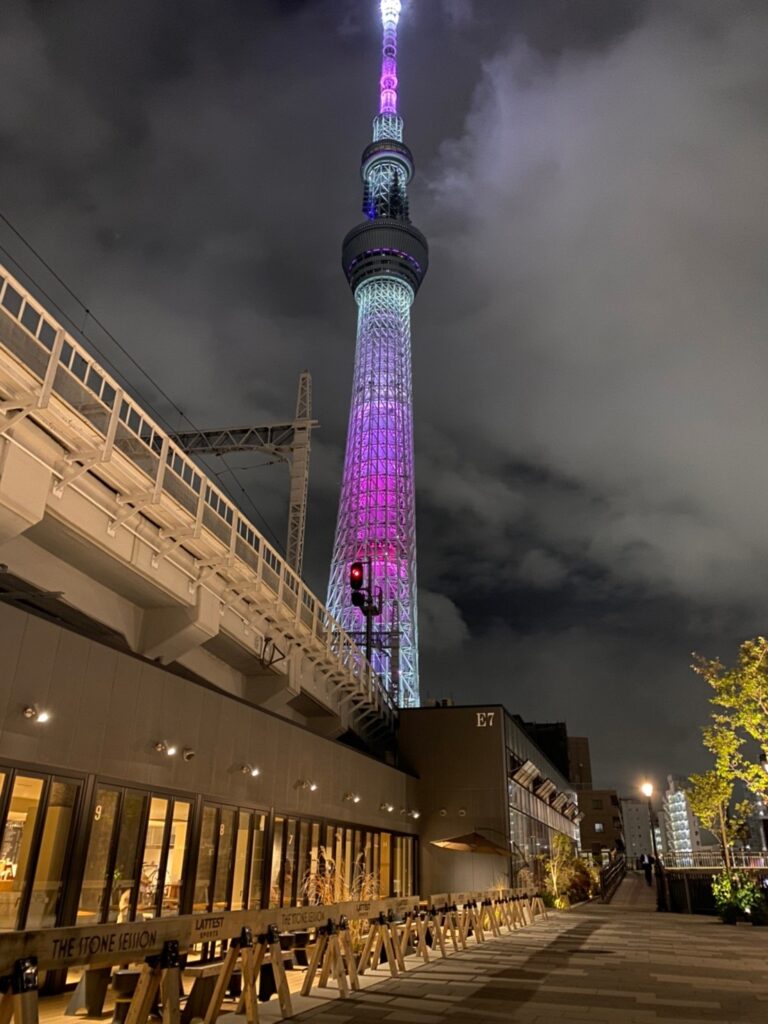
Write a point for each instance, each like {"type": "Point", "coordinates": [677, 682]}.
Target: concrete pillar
{"type": "Point", "coordinates": [24, 489]}
{"type": "Point", "coordinates": [168, 633]}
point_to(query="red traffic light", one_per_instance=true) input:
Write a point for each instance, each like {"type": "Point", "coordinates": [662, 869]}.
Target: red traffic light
{"type": "Point", "coordinates": [356, 575]}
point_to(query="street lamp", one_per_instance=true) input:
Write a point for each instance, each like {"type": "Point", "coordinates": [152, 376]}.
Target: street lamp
{"type": "Point", "coordinates": [647, 790]}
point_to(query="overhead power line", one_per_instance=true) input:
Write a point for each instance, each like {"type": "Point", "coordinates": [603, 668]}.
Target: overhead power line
{"type": "Point", "coordinates": [89, 315]}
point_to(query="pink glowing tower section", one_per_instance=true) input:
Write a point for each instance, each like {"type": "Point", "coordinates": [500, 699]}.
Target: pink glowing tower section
{"type": "Point", "coordinates": [385, 259]}
{"type": "Point", "coordinates": [390, 16]}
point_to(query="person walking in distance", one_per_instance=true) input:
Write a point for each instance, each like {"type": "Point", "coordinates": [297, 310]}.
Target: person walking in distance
{"type": "Point", "coordinates": [646, 862]}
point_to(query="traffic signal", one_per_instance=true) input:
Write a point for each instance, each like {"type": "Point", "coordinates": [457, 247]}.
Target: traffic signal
{"type": "Point", "coordinates": [356, 577]}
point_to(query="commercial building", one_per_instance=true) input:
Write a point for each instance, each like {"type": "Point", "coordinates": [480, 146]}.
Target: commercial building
{"type": "Point", "coordinates": [481, 772]}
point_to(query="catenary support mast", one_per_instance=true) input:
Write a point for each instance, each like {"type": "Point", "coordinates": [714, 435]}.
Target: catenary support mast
{"type": "Point", "coordinates": [385, 260]}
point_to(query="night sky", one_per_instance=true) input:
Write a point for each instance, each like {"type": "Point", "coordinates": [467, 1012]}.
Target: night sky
{"type": "Point", "coordinates": [590, 350]}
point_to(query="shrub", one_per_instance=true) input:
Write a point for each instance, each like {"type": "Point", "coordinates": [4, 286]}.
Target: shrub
{"type": "Point", "coordinates": [736, 896]}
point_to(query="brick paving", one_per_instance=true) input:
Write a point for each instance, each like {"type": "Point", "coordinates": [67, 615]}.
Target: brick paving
{"type": "Point", "coordinates": [620, 963]}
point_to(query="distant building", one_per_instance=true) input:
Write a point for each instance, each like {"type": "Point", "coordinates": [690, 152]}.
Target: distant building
{"type": "Point", "coordinates": [601, 827]}
{"type": "Point", "coordinates": [551, 738]}
{"type": "Point", "coordinates": [637, 827]}
{"type": "Point", "coordinates": [758, 826]}
{"type": "Point", "coordinates": [658, 831]}
{"type": "Point", "coordinates": [682, 830]}
{"type": "Point", "coordinates": [579, 762]}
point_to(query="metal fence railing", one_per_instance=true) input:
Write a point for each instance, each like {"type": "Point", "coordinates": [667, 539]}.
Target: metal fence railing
{"type": "Point", "coordinates": [611, 877]}
{"type": "Point", "coordinates": [742, 860]}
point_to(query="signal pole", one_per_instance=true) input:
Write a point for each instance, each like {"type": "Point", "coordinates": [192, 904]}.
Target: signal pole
{"type": "Point", "coordinates": [363, 598]}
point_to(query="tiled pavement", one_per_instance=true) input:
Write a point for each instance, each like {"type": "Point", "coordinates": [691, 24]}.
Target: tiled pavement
{"type": "Point", "coordinates": [619, 963]}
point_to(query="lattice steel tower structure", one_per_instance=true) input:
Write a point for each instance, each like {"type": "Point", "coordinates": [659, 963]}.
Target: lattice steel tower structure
{"type": "Point", "coordinates": [385, 260]}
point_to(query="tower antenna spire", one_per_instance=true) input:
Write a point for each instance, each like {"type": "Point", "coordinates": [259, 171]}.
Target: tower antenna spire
{"type": "Point", "coordinates": [390, 16]}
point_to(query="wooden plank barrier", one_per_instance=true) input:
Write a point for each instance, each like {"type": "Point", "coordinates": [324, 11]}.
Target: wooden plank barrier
{"type": "Point", "coordinates": [395, 926]}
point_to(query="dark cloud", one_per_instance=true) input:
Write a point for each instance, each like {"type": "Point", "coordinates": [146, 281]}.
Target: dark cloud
{"type": "Point", "coordinates": [589, 346]}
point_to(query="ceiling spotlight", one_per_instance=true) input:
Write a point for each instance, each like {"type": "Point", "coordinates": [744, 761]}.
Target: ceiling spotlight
{"type": "Point", "coordinates": [34, 714]}
{"type": "Point", "coordinates": [386, 807]}
{"type": "Point", "coordinates": [353, 797]}
{"type": "Point", "coordinates": [249, 769]}
{"type": "Point", "coordinates": [415, 814]}
{"type": "Point", "coordinates": [306, 784]}
{"type": "Point", "coordinates": [164, 748]}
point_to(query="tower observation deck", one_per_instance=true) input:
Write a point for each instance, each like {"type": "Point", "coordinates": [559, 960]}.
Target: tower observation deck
{"type": "Point", "coordinates": [385, 259]}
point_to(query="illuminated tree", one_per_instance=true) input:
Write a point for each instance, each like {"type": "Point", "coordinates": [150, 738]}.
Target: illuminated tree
{"type": "Point", "coordinates": [741, 697]}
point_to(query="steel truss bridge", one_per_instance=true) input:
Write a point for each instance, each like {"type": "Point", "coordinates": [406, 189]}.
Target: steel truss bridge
{"type": "Point", "coordinates": [107, 524]}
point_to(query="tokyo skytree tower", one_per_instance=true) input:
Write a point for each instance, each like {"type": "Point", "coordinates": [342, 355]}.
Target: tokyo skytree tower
{"type": "Point", "coordinates": [385, 259]}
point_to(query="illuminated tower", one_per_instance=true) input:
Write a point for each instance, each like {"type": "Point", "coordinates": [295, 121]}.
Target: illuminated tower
{"type": "Point", "coordinates": [385, 260]}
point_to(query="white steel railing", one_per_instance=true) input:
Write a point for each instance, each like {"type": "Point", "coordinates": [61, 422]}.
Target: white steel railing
{"type": "Point", "coordinates": [741, 859]}
{"type": "Point", "coordinates": [116, 425]}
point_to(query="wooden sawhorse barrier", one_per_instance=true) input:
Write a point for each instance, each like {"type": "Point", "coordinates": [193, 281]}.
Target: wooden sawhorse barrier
{"type": "Point", "coordinates": [334, 958]}
{"type": "Point", "coordinates": [446, 919]}
{"type": "Point", "coordinates": [470, 922]}
{"type": "Point", "coordinates": [19, 993]}
{"type": "Point", "coordinates": [381, 935]}
{"type": "Point", "coordinates": [417, 927]}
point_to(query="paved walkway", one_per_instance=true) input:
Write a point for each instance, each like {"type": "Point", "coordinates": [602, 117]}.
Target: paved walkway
{"type": "Point", "coordinates": [620, 963]}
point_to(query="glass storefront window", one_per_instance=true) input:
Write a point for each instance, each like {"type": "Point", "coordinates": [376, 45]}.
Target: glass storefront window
{"type": "Point", "coordinates": [124, 874]}
{"type": "Point", "coordinates": [176, 858]}
{"type": "Point", "coordinates": [206, 852]}
{"type": "Point", "coordinates": [96, 876]}
{"type": "Point", "coordinates": [239, 881]}
{"type": "Point", "coordinates": [224, 859]}
{"type": "Point", "coordinates": [15, 847]}
{"type": "Point", "coordinates": [150, 862]}
{"type": "Point", "coordinates": [48, 885]}
{"type": "Point", "coordinates": [302, 864]}
{"type": "Point", "coordinates": [257, 861]}
{"type": "Point", "coordinates": [384, 864]}
{"type": "Point", "coordinates": [277, 853]}
{"type": "Point", "coordinates": [289, 864]}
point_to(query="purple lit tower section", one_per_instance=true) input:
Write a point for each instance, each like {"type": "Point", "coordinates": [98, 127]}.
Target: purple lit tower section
{"type": "Point", "coordinates": [385, 260]}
